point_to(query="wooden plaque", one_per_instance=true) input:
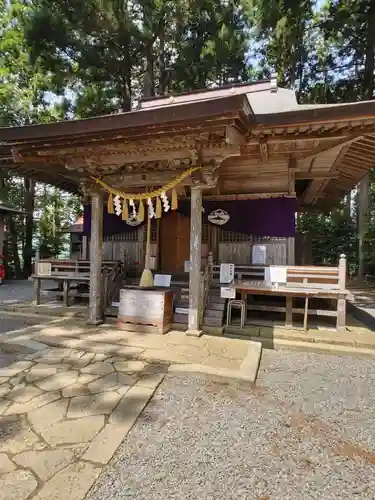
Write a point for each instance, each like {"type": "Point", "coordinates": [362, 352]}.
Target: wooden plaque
{"type": "Point", "coordinates": [44, 269]}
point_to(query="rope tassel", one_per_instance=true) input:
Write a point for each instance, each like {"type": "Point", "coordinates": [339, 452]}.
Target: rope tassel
{"type": "Point", "coordinates": [125, 211]}
{"type": "Point", "coordinates": [174, 203]}
{"type": "Point", "coordinates": [158, 208]}
{"type": "Point", "coordinates": [141, 211]}
{"type": "Point", "coordinates": [110, 204]}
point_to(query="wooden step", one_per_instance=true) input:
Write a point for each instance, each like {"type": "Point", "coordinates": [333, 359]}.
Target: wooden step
{"type": "Point", "coordinates": [182, 303]}
{"type": "Point", "coordinates": [217, 306]}
{"type": "Point", "coordinates": [181, 310]}
{"type": "Point", "coordinates": [207, 321]}
{"type": "Point", "coordinates": [216, 299]}
{"type": "Point", "coordinates": [182, 327]}
{"type": "Point", "coordinates": [180, 318]}
{"type": "Point", "coordinates": [212, 313]}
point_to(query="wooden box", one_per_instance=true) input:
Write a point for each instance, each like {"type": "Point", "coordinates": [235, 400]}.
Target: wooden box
{"type": "Point", "coordinates": [145, 310]}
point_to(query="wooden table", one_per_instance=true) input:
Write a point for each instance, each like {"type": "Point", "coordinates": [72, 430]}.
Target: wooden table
{"type": "Point", "coordinates": [253, 288]}
{"type": "Point", "coordinates": [63, 278]}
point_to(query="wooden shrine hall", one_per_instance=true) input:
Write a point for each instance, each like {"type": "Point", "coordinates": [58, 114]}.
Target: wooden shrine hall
{"type": "Point", "coordinates": [186, 182]}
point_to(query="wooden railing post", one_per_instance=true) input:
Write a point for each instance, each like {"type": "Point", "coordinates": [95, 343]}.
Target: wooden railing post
{"type": "Point", "coordinates": [342, 273]}
{"type": "Point", "coordinates": [341, 302]}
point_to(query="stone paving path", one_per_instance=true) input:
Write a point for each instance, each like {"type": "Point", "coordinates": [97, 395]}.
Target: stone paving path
{"type": "Point", "coordinates": [63, 414]}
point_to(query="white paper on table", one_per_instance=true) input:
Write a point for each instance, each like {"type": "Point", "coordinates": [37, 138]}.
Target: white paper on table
{"type": "Point", "coordinates": [277, 274]}
{"type": "Point", "coordinates": [227, 292]}
{"type": "Point", "coordinates": [162, 280]}
{"type": "Point", "coordinates": [259, 254]}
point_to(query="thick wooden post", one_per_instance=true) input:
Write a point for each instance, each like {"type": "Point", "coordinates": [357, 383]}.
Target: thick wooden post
{"type": "Point", "coordinates": [37, 282]}
{"type": "Point", "coordinates": [195, 261]}
{"type": "Point", "coordinates": [341, 302]}
{"type": "Point", "coordinates": [290, 258]}
{"type": "Point", "coordinates": [85, 248]}
{"type": "Point", "coordinates": [2, 231]}
{"type": "Point", "coordinates": [96, 252]}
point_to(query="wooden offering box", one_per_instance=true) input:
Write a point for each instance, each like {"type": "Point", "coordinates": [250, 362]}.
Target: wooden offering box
{"type": "Point", "coordinates": [145, 310]}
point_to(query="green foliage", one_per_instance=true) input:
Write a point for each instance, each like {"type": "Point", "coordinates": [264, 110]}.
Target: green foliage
{"type": "Point", "coordinates": [103, 49]}
{"type": "Point", "coordinates": [331, 235]}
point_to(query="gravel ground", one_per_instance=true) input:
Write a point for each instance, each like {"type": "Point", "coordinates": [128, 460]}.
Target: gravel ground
{"type": "Point", "coordinates": [305, 432]}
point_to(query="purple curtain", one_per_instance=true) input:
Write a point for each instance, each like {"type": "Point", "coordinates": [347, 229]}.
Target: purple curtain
{"type": "Point", "coordinates": [264, 217]}
{"type": "Point", "coordinates": [112, 224]}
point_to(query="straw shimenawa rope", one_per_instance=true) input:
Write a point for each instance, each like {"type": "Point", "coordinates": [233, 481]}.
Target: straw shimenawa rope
{"type": "Point", "coordinates": [152, 194]}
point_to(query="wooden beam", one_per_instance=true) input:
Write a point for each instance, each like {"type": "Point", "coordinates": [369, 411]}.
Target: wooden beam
{"type": "Point", "coordinates": [316, 175]}
{"type": "Point", "coordinates": [247, 196]}
{"type": "Point", "coordinates": [312, 191]}
{"type": "Point", "coordinates": [234, 136]}
{"type": "Point", "coordinates": [292, 174]}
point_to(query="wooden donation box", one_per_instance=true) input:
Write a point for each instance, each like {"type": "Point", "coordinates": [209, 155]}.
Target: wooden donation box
{"type": "Point", "coordinates": [145, 310]}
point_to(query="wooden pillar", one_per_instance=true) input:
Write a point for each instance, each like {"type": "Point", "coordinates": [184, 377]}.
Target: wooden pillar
{"type": "Point", "coordinates": [96, 253]}
{"type": "Point", "coordinates": [341, 302]}
{"type": "Point", "coordinates": [2, 231]}
{"type": "Point", "coordinates": [195, 261]}
{"type": "Point", "coordinates": [85, 248]}
{"type": "Point", "coordinates": [290, 259]}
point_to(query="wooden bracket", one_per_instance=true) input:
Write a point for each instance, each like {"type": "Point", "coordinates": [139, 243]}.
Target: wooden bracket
{"type": "Point", "coordinates": [263, 149]}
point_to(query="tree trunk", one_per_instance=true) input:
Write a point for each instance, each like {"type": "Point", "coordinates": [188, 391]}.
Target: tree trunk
{"type": "Point", "coordinates": [29, 226]}
{"type": "Point", "coordinates": [161, 63]}
{"type": "Point", "coordinates": [14, 247]}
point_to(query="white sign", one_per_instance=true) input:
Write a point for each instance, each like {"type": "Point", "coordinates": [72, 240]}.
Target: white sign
{"type": "Point", "coordinates": [227, 293]}
{"type": "Point", "coordinates": [44, 269]}
{"type": "Point", "coordinates": [187, 266]}
{"type": "Point", "coordinates": [275, 274]}
{"type": "Point", "coordinates": [259, 254]}
{"type": "Point", "coordinates": [226, 273]}
{"type": "Point", "coordinates": [163, 280]}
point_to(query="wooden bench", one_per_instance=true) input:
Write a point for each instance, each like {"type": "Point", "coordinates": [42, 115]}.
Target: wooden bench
{"type": "Point", "coordinates": [304, 282]}
{"type": "Point", "coordinates": [66, 272]}
{"type": "Point", "coordinates": [320, 282]}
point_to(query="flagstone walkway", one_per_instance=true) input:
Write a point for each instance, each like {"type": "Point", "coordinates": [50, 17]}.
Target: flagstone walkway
{"type": "Point", "coordinates": [64, 412]}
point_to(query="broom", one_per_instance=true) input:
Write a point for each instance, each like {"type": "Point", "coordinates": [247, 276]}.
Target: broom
{"type": "Point", "coordinates": [147, 279]}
